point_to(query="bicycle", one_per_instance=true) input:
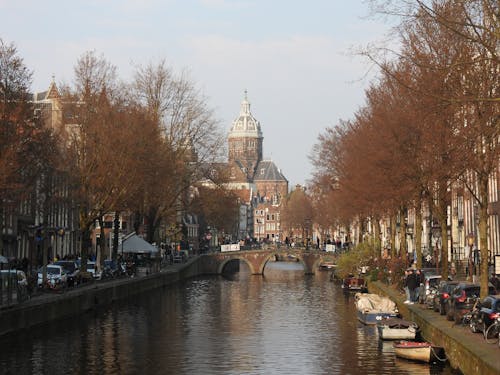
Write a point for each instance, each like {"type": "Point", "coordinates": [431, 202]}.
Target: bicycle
{"type": "Point", "coordinates": [466, 319]}
{"type": "Point", "coordinates": [492, 333]}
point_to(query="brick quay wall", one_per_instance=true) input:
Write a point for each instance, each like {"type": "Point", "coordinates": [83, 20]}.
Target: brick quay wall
{"type": "Point", "coordinates": [73, 302]}
{"type": "Point", "coordinates": [464, 350]}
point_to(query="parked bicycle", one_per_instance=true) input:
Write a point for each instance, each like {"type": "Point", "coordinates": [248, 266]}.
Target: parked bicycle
{"type": "Point", "coordinates": [468, 319]}
{"type": "Point", "coordinates": [492, 333]}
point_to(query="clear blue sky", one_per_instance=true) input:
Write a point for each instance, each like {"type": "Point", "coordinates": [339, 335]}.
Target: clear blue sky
{"type": "Point", "coordinates": [292, 56]}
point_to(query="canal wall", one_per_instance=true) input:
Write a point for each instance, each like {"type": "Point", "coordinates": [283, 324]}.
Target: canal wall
{"type": "Point", "coordinates": [73, 302]}
{"type": "Point", "coordinates": [467, 352]}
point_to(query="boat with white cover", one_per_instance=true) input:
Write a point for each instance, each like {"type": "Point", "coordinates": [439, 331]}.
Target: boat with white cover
{"type": "Point", "coordinates": [372, 308]}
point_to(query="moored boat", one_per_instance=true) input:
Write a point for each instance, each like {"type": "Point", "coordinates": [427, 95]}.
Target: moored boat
{"type": "Point", "coordinates": [373, 308]}
{"type": "Point", "coordinates": [327, 266]}
{"type": "Point", "coordinates": [396, 329]}
{"type": "Point", "coordinates": [417, 351]}
{"type": "Point", "coordinates": [354, 284]}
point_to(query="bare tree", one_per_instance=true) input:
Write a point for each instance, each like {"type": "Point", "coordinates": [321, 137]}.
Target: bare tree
{"type": "Point", "coordinates": [100, 173]}
{"type": "Point", "coordinates": [29, 151]}
{"type": "Point", "coordinates": [297, 213]}
{"type": "Point", "coordinates": [190, 134]}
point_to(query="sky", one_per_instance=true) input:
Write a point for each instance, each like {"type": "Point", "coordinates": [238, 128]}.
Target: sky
{"type": "Point", "coordinates": [294, 57]}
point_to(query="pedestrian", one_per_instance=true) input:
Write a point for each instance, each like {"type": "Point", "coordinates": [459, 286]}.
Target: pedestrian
{"type": "Point", "coordinates": [411, 282]}
{"type": "Point", "coordinates": [405, 284]}
{"type": "Point", "coordinates": [420, 285]}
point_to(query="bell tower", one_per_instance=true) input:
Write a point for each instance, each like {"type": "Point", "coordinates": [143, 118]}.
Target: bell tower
{"type": "Point", "coordinates": [245, 140]}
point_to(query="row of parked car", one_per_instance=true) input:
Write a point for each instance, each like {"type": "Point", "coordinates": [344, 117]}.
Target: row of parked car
{"type": "Point", "coordinates": [66, 273]}
{"type": "Point", "coordinates": [461, 299]}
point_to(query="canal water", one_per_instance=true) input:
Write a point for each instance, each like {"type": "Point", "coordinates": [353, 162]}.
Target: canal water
{"type": "Point", "coordinates": [284, 322]}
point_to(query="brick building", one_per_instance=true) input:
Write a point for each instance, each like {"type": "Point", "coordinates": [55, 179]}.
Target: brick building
{"type": "Point", "coordinates": [250, 172]}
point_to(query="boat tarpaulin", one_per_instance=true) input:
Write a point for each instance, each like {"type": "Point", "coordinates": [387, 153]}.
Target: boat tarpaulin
{"type": "Point", "coordinates": [367, 302]}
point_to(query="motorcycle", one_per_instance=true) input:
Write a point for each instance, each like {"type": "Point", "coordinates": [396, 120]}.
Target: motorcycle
{"type": "Point", "coordinates": [475, 318]}
{"type": "Point", "coordinates": [429, 298]}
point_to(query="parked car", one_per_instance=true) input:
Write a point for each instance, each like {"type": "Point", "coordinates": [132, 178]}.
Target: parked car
{"type": "Point", "coordinates": [430, 281]}
{"type": "Point", "coordinates": [72, 271]}
{"type": "Point", "coordinates": [440, 300]}
{"type": "Point", "coordinates": [462, 299]}
{"type": "Point", "coordinates": [56, 276]}
{"type": "Point", "coordinates": [489, 310]}
{"type": "Point", "coordinates": [91, 268]}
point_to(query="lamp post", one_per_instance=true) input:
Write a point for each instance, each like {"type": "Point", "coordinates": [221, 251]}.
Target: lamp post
{"type": "Point", "coordinates": [470, 241]}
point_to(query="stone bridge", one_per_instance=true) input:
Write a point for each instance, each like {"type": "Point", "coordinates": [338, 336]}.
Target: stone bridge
{"type": "Point", "coordinates": [257, 259]}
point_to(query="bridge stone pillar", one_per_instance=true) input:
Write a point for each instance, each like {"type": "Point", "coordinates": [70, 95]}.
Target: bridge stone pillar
{"type": "Point", "coordinates": [310, 262]}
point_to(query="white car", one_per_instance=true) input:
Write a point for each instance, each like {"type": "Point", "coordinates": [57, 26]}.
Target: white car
{"type": "Point", "coordinates": [56, 276]}
{"type": "Point", "coordinates": [91, 268]}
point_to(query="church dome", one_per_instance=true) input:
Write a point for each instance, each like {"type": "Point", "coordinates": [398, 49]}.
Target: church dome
{"type": "Point", "coordinates": [245, 125]}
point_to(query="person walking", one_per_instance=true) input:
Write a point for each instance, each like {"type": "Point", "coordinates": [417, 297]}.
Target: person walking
{"type": "Point", "coordinates": [405, 284]}
{"type": "Point", "coordinates": [411, 281]}
{"type": "Point", "coordinates": [420, 286]}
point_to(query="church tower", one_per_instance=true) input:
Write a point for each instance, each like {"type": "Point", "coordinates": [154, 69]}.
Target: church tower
{"type": "Point", "coordinates": [245, 140]}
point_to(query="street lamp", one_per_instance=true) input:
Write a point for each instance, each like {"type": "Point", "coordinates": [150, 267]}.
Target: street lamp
{"type": "Point", "coordinates": [470, 241]}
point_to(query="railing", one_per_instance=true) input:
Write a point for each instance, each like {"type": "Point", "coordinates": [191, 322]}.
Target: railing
{"type": "Point", "coordinates": [11, 292]}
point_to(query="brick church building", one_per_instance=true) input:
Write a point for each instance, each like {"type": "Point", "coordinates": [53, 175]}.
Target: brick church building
{"type": "Point", "coordinates": [259, 183]}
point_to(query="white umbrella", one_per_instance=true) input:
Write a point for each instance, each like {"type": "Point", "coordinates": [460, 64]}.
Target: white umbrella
{"type": "Point", "coordinates": [3, 259]}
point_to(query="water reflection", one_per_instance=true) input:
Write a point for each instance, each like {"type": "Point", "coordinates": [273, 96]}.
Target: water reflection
{"type": "Point", "coordinates": [283, 323]}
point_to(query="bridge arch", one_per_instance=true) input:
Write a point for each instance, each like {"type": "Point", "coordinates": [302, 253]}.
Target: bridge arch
{"type": "Point", "coordinates": [222, 264]}
{"type": "Point", "coordinates": [273, 255]}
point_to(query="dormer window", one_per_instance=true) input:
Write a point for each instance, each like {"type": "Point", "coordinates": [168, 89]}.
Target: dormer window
{"type": "Point", "coordinates": [262, 171]}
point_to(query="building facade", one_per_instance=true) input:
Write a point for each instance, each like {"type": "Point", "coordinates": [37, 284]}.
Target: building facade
{"type": "Point", "coordinates": [258, 179]}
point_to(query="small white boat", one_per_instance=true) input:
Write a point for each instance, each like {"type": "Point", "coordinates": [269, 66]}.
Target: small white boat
{"type": "Point", "coordinates": [417, 351]}
{"type": "Point", "coordinates": [396, 329]}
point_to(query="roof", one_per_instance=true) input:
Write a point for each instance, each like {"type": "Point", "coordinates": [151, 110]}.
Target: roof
{"type": "Point", "coordinates": [132, 243]}
{"type": "Point", "coordinates": [268, 171]}
{"type": "Point", "coordinates": [245, 125]}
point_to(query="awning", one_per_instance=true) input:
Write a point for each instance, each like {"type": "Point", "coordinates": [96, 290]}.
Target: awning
{"type": "Point", "coordinates": [135, 244]}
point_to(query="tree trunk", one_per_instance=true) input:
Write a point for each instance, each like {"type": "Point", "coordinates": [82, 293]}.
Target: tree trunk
{"type": "Point", "coordinates": [377, 244]}
{"type": "Point", "coordinates": [393, 236]}
{"type": "Point", "coordinates": [86, 241]}
{"type": "Point", "coordinates": [116, 232]}
{"type": "Point", "coordinates": [418, 233]}
{"type": "Point", "coordinates": [483, 234]}
{"type": "Point", "coordinates": [1, 227]}
{"type": "Point", "coordinates": [402, 236]}
{"type": "Point", "coordinates": [444, 247]}
{"type": "Point", "coordinates": [360, 230]}
{"type": "Point", "coordinates": [101, 249]}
